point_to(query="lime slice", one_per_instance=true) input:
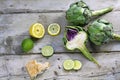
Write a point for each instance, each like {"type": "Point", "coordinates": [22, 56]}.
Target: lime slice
{"type": "Point", "coordinates": [27, 45]}
{"type": "Point", "coordinates": [47, 51]}
{"type": "Point", "coordinates": [77, 65]}
{"type": "Point", "coordinates": [68, 64]}
{"type": "Point", "coordinates": [37, 30]}
{"type": "Point", "coordinates": [54, 29]}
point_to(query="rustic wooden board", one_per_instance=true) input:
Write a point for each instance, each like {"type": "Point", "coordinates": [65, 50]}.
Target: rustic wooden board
{"type": "Point", "coordinates": [16, 16]}
{"type": "Point", "coordinates": [28, 6]}
{"type": "Point", "coordinates": [13, 67]}
{"type": "Point", "coordinates": [14, 28]}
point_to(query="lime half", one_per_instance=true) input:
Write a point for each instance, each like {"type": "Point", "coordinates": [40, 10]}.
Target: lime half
{"type": "Point", "coordinates": [68, 64]}
{"type": "Point", "coordinates": [27, 45]}
{"type": "Point", "coordinates": [37, 30]}
{"type": "Point", "coordinates": [77, 65]}
{"type": "Point", "coordinates": [47, 51]}
{"type": "Point", "coordinates": [54, 29]}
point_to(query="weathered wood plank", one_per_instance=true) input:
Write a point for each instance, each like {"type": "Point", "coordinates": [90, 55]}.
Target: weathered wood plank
{"type": "Point", "coordinates": [15, 67]}
{"type": "Point", "coordinates": [18, 6]}
{"type": "Point", "coordinates": [18, 24]}
{"type": "Point", "coordinates": [14, 28]}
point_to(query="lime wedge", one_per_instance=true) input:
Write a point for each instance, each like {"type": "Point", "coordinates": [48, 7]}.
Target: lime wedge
{"type": "Point", "coordinates": [68, 64]}
{"type": "Point", "coordinates": [77, 65]}
{"type": "Point", "coordinates": [54, 29]}
{"type": "Point", "coordinates": [37, 30]}
{"type": "Point", "coordinates": [47, 51]}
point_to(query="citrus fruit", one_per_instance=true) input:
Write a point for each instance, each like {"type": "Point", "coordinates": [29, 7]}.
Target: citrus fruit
{"type": "Point", "coordinates": [77, 65]}
{"type": "Point", "coordinates": [54, 29]}
{"type": "Point", "coordinates": [68, 64]}
{"type": "Point", "coordinates": [27, 45]}
{"type": "Point", "coordinates": [47, 51]}
{"type": "Point", "coordinates": [37, 30]}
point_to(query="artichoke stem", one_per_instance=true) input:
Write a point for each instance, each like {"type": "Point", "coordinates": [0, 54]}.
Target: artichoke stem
{"type": "Point", "coordinates": [88, 55]}
{"type": "Point", "coordinates": [116, 36]}
{"type": "Point", "coordinates": [102, 11]}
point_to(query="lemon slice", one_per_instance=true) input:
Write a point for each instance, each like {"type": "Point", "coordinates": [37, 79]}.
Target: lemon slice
{"type": "Point", "coordinates": [54, 29]}
{"type": "Point", "coordinates": [77, 65]}
{"type": "Point", "coordinates": [37, 30]}
{"type": "Point", "coordinates": [47, 51]}
{"type": "Point", "coordinates": [68, 64]}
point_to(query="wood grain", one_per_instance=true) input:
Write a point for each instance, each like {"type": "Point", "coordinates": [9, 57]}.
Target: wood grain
{"type": "Point", "coordinates": [13, 66]}
{"type": "Point", "coordinates": [15, 27]}
{"type": "Point", "coordinates": [31, 6]}
{"type": "Point", "coordinates": [16, 16]}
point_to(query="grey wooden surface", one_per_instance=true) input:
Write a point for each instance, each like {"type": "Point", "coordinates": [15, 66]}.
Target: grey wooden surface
{"type": "Point", "coordinates": [16, 16]}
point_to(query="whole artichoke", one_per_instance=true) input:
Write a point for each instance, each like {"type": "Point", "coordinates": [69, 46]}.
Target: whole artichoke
{"type": "Point", "coordinates": [80, 14]}
{"type": "Point", "coordinates": [101, 31]}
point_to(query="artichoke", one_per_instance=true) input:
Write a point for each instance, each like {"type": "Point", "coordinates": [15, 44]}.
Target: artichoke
{"type": "Point", "coordinates": [101, 31]}
{"type": "Point", "coordinates": [80, 14]}
{"type": "Point", "coordinates": [75, 38]}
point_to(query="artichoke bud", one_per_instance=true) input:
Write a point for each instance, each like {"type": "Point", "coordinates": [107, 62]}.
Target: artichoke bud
{"type": "Point", "coordinates": [78, 13]}
{"type": "Point", "coordinates": [101, 31]}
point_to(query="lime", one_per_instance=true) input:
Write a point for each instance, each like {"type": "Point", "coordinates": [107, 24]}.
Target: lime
{"type": "Point", "coordinates": [68, 64]}
{"type": "Point", "coordinates": [47, 51]}
{"type": "Point", "coordinates": [37, 30]}
{"type": "Point", "coordinates": [54, 29]}
{"type": "Point", "coordinates": [27, 45]}
{"type": "Point", "coordinates": [77, 65]}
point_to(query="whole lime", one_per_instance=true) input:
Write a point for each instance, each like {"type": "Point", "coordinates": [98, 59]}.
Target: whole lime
{"type": "Point", "coordinates": [27, 44]}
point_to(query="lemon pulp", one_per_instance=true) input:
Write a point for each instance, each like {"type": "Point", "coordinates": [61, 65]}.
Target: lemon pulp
{"type": "Point", "coordinates": [54, 29]}
{"type": "Point", "coordinates": [37, 30]}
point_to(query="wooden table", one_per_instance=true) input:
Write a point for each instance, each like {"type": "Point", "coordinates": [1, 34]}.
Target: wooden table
{"type": "Point", "coordinates": [16, 16]}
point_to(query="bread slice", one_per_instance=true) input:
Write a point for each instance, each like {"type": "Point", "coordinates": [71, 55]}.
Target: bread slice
{"type": "Point", "coordinates": [35, 68]}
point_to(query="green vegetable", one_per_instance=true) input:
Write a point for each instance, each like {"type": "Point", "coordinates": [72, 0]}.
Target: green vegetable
{"type": "Point", "coordinates": [80, 14]}
{"type": "Point", "coordinates": [68, 64]}
{"type": "Point", "coordinates": [101, 31]}
{"type": "Point", "coordinates": [47, 51]}
{"type": "Point", "coordinates": [75, 38]}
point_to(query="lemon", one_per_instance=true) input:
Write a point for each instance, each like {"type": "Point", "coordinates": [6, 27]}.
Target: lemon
{"type": "Point", "coordinates": [27, 44]}
{"type": "Point", "coordinates": [54, 29]}
{"type": "Point", "coordinates": [37, 30]}
{"type": "Point", "coordinates": [47, 51]}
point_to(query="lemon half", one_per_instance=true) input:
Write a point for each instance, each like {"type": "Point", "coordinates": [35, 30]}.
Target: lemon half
{"type": "Point", "coordinates": [37, 30]}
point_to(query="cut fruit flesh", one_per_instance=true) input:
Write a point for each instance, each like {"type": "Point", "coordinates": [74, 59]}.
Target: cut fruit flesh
{"type": "Point", "coordinates": [47, 51]}
{"type": "Point", "coordinates": [77, 65]}
{"type": "Point", "coordinates": [37, 30]}
{"type": "Point", "coordinates": [68, 64]}
{"type": "Point", "coordinates": [54, 29]}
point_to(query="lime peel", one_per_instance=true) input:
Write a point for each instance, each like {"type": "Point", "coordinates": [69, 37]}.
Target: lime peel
{"type": "Point", "coordinates": [27, 44]}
